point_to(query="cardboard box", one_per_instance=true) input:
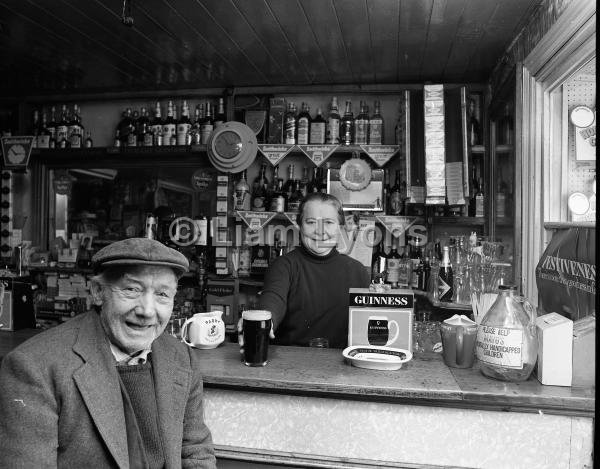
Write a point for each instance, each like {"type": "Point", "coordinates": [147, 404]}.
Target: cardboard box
{"type": "Point", "coordinates": [381, 318]}
{"type": "Point", "coordinates": [555, 350]}
{"type": "Point", "coordinates": [276, 120]}
{"type": "Point", "coordinates": [584, 352]}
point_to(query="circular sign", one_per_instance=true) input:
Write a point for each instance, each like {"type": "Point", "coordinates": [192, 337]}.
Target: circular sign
{"type": "Point", "coordinates": [232, 147]}
{"type": "Point", "coordinates": [582, 116]}
{"type": "Point", "coordinates": [578, 203]}
{"type": "Point", "coordinates": [355, 174]}
{"type": "Point", "coordinates": [202, 180]}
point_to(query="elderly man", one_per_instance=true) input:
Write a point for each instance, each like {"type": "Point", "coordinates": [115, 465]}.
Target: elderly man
{"type": "Point", "coordinates": [108, 388]}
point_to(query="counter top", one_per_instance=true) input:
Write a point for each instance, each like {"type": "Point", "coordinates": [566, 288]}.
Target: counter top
{"type": "Point", "coordinates": [425, 380]}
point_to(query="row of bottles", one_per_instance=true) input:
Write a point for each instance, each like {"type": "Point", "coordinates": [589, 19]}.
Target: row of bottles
{"type": "Point", "coordinates": [401, 266]}
{"type": "Point", "coordinates": [63, 131]}
{"type": "Point", "coordinates": [302, 129]}
{"type": "Point", "coordinates": [276, 195]}
{"type": "Point", "coordinates": [136, 129]}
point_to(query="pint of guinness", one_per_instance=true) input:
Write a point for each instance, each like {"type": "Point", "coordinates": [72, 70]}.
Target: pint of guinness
{"type": "Point", "coordinates": [256, 326]}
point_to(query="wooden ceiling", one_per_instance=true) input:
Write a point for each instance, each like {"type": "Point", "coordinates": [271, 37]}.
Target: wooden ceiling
{"type": "Point", "coordinates": [75, 46]}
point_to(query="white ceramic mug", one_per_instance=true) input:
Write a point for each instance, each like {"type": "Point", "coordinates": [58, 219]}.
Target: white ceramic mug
{"type": "Point", "coordinates": [204, 330]}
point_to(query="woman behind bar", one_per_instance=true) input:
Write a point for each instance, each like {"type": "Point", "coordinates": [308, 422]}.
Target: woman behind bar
{"type": "Point", "coordinates": [307, 289]}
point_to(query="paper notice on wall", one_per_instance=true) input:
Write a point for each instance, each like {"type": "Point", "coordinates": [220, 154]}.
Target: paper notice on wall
{"type": "Point", "coordinates": [435, 156]}
{"type": "Point", "coordinates": [454, 184]}
{"type": "Point", "coordinates": [358, 238]}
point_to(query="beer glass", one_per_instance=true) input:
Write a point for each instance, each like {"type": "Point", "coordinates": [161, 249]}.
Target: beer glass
{"type": "Point", "coordinates": [256, 326]}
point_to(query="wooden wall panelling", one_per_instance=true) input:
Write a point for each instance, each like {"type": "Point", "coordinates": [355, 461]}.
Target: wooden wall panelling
{"type": "Point", "coordinates": [291, 17]}
{"type": "Point", "coordinates": [268, 33]}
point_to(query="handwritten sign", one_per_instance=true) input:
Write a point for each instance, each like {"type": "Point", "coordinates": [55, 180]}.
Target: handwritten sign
{"type": "Point", "coordinates": [380, 154]}
{"type": "Point", "coordinates": [275, 153]}
{"type": "Point", "coordinates": [16, 151]}
{"type": "Point", "coordinates": [318, 153]}
{"type": "Point", "coordinates": [256, 220]}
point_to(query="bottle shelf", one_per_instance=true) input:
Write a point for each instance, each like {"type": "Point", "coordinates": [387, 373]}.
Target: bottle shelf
{"type": "Point", "coordinates": [478, 221]}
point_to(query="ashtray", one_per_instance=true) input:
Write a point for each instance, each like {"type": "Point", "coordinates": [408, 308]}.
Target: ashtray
{"type": "Point", "coordinates": [376, 357]}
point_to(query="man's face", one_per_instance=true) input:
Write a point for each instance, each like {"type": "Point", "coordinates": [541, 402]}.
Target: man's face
{"type": "Point", "coordinates": [320, 227]}
{"type": "Point", "coordinates": [136, 308]}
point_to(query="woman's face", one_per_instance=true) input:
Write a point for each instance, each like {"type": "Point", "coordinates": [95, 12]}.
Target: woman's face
{"type": "Point", "coordinates": [320, 227]}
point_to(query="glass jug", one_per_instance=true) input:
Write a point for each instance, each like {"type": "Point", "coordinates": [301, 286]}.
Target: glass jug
{"type": "Point", "coordinates": [507, 338]}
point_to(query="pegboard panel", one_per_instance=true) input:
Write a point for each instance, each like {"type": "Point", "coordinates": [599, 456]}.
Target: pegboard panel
{"type": "Point", "coordinates": [580, 90]}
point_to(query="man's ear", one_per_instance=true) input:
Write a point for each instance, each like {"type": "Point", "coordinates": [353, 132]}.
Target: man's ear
{"type": "Point", "coordinates": [96, 292]}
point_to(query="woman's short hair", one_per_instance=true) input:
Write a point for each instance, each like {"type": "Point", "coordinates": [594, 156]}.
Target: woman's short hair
{"type": "Point", "coordinates": [324, 198]}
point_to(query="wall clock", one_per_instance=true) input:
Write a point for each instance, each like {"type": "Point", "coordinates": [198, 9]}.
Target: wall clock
{"type": "Point", "coordinates": [232, 147]}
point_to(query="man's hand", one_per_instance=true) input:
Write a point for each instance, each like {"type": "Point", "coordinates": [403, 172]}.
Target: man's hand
{"type": "Point", "coordinates": [241, 334]}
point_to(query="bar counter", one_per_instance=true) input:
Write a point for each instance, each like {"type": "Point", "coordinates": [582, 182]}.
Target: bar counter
{"type": "Point", "coordinates": [308, 407]}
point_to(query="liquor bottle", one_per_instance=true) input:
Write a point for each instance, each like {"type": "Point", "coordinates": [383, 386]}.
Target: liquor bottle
{"type": "Point", "coordinates": [44, 136]}
{"type": "Point", "coordinates": [479, 200]}
{"type": "Point", "coordinates": [259, 190]}
{"type": "Point", "coordinates": [75, 129]}
{"type": "Point", "coordinates": [278, 198]}
{"type": "Point", "coordinates": [169, 126]}
{"type": "Point", "coordinates": [332, 133]}
{"type": "Point", "coordinates": [290, 124]}
{"type": "Point", "coordinates": [303, 125]}
{"type": "Point", "coordinates": [385, 203]}
{"type": "Point", "coordinates": [426, 273]}
{"type": "Point", "coordinates": [445, 278]}
{"type": "Point", "coordinates": [393, 266]}
{"type": "Point", "coordinates": [207, 124]}
{"type": "Point", "coordinates": [304, 182]}
{"type": "Point", "coordinates": [89, 143]}
{"type": "Point", "coordinates": [396, 205]}
{"type": "Point", "coordinates": [313, 185]}
{"type": "Point", "coordinates": [195, 137]}
{"type": "Point", "coordinates": [376, 126]}
{"type": "Point", "coordinates": [117, 142]}
{"type": "Point", "coordinates": [242, 193]}
{"type": "Point", "coordinates": [184, 125]}
{"type": "Point", "coordinates": [52, 124]}
{"type": "Point", "coordinates": [277, 250]}
{"type": "Point", "coordinates": [296, 198]}
{"type": "Point", "coordinates": [474, 129]}
{"type": "Point", "coordinates": [220, 116]}
{"type": "Point", "coordinates": [289, 184]}
{"type": "Point", "coordinates": [416, 256]}
{"type": "Point", "coordinates": [361, 126]}
{"type": "Point", "coordinates": [124, 127]}
{"type": "Point", "coordinates": [438, 249]}
{"type": "Point", "coordinates": [379, 264]}
{"type": "Point", "coordinates": [272, 186]}
{"type": "Point", "coordinates": [132, 137]}
{"type": "Point", "coordinates": [157, 123]}
{"type": "Point", "coordinates": [35, 128]}
{"type": "Point", "coordinates": [62, 129]}
{"type": "Point", "coordinates": [317, 129]}
{"type": "Point", "coordinates": [174, 133]}
{"type": "Point", "coordinates": [347, 125]}
{"type": "Point", "coordinates": [324, 176]}
{"type": "Point", "coordinates": [419, 274]}
{"type": "Point", "coordinates": [145, 129]}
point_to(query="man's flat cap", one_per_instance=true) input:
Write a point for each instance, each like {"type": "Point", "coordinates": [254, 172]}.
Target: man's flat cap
{"type": "Point", "coordinates": [140, 251]}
